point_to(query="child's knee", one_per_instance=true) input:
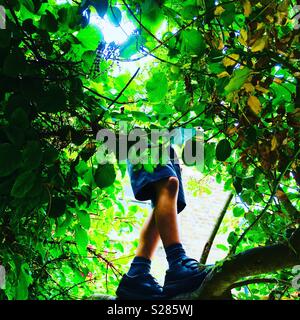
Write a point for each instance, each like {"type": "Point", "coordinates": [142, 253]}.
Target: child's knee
{"type": "Point", "coordinates": [169, 185]}
{"type": "Point", "coordinates": [173, 185]}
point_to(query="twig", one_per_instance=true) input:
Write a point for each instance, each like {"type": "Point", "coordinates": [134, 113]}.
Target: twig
{"type": "Point", "coordinates": [108, 263]}
{"type": "Point", "coordinates": [120, 94]}
{"type": "Point", "coordinates": [140, 23]}
{"type": "Point", "coordinates": [254, 281]}
{"type": "Point", "coordinates": [209, 243]}
{"type": "Point", "coordinates": [107, 98]}
{"type": "Point", "coordinates": [194, 118]}
{"type": "Point", "coordinates": [70, 288]}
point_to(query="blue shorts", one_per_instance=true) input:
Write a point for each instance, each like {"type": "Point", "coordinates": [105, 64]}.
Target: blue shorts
{"type": "Point", "coordinates": [142, 181]}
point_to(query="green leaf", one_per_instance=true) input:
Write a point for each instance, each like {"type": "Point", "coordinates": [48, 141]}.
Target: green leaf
{"type": "Point", "coordinates": [209, 154]}
{"type": "Point", "coordinates": [218, 178]}
{"type": "Point", "coordinates": [223, 150]}
{"type": "Point", "coordinates": [192, 42]}
{"type": "Point", "coordinates": [238, 79]}
{"type": "Point", "coordinates": [114, 15]}
{"type": "Point", "coordinates": [69, 17]}
{"type": "Point", "coordinates": [23, 184]}
{"type": "Point", "coordinates": [238, 211]}
{"type": "Point", "coordinates": [157, 87]}
{"type": "Point", "coordinates": [90, 37]}
{"type": "Point", "coordinates": [119, 247]}
{"type": "Point", "coordinates": [85, 219]}
{"type": "Point", "coordinates": [63, 226]}
{"type": "Point", "coordinates": [222, 247]}
{"type": "Point", "coordinates": [24, 280]}
{"type": "Point", "coordinates": [81, 238]}
{"type": "Point", "coordinates": [216, 67]}
{"type": "Point", "coordinates": [105, 175]}
{"type": "Point", "coordinates": [180, 103]}
{"type": "Point", "coordinates": [232, 238]}
{"type": "Point", "coordinates": [10, 159]}
{"type": "Point", "coordinates": [19, 118]}
{"type": "Point", "coordinates": [229, 14]}
{"type": "Point", "coordinates": [28, 4]}
{"type": "Point", "coordinates": [130, 47]}
{"type": "Point", "coordinates": [88, 59]}
{"type": "Point", "coordinates": [152, 15]}
{"type": "Point", "coordinates": [101, 6]}
{"type": "Point", "coordinates": [32, 155]}
{"type": "Point", "coordinates": [15, 135]}
{"type": "Point", "coordinates": [237, 183]}
{"type": "Point", "coordinates": [48, 22]}
{"type": "Point", "coordinates": [50, 155]}
{"type": "Point", "coordinates": [14, 64]}
{"type": "Point", "coordinates": [249, 183]}
{"type": "Point", "coordinates": [88, 177]}
{"type": "Point", "coordinates": [5, 37]}
{"type": "Point", "coordinates": [52, 101]}
{"type": "Point", "coordinates": [57, 207]}
{"type": "Point", "coordinates": [81, 168]}
{"type": "Point", "coordinates": [6, 185]}
{"type": "Point", "coordinates": [189, 11]}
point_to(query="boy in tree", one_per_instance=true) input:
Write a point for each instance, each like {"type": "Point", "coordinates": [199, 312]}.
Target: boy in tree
{"type": "Point", "coordinates": [164, 188]}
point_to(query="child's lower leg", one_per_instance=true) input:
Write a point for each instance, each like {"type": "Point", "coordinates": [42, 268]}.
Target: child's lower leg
{"type": "Point", "coordinates": [163, 220]}
{"type": "Point", "coordinates": [149, 238]}
{"type": "Point", "coordinates": [163, 224]}
{"type": "Point", "coordinates": [166, 210]}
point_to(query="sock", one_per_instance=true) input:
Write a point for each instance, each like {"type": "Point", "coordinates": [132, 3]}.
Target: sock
{"type": "Point", "coordinates": [139, 265]}
{"type": "Point", "coordinates": [175, 253]}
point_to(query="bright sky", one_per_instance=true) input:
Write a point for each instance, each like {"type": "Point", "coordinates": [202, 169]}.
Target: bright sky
{"type": "Point", "coordinates": [111, 33]}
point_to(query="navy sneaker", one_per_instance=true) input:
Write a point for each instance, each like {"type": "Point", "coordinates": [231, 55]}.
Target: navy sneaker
{"type": "Point", "coordinates": [185, 276]}
{"type": "Point", "coordinates": [139, 287]}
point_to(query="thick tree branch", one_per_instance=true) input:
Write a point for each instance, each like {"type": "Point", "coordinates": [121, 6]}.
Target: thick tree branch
{"type": "Point", "coordinates": [261, 260]}
{"type": "Point", "coordinates": [250, 263]}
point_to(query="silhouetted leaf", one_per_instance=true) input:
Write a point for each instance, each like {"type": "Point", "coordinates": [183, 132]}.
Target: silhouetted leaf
{"type": "Point", "coordinates": [223, 150]}
{"type": "Point", "coordinates": [105, 175]}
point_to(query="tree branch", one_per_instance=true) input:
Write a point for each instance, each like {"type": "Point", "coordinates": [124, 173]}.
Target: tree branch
{"type": "Point", "coordinates": [107, 98]}
{"type": "Point", "coordinates": [140, 23]}
{"type": "Point", "coordinates": [209, 243]}
{"type": "Point", "coordinates": [120, 94]}
{"type": "Point", "coordinates": [249, 263]}
{"type": "Point", "coordinates": [223, 278]}
{"type": "Point", "coordinates": [257, 280]}
{"type": "Point", "coordinates": [287, 204]}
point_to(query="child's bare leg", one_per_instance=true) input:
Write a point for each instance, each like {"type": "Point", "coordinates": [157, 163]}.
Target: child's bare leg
{"type": "Point", "coordinates": [149, 238]}
{"type": "Point", "coordinates": [163, 220]}
{"type": "Point", "coordinates": [166, 210]}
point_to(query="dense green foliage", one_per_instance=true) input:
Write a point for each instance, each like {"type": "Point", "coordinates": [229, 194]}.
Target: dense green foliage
{"type": "Point", "coordinates": [230, 68]}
